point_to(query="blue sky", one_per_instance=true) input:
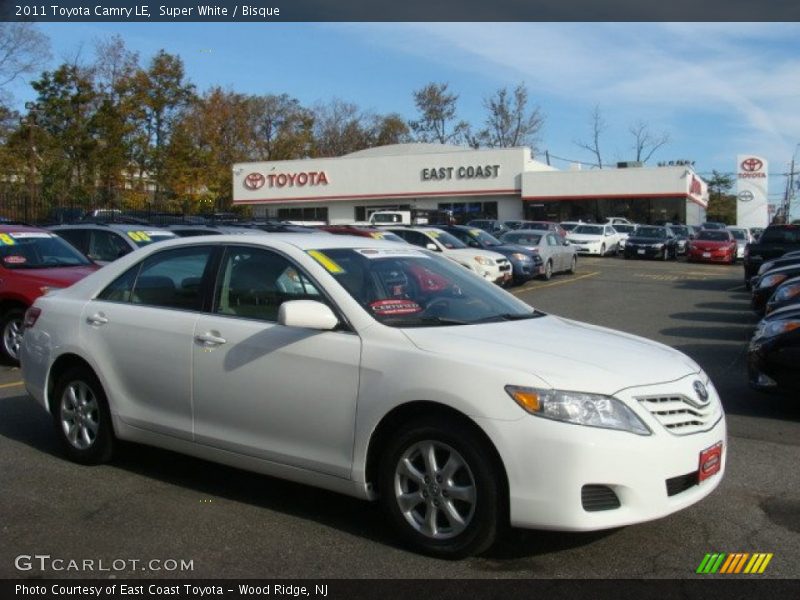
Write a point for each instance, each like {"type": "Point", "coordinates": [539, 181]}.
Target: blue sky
{"type": "Point", "coordinates": [718, 89]}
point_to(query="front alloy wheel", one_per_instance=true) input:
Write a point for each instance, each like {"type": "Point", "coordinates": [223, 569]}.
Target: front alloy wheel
{"type": "Point", "coordinates": [79, 414]}
{"type": "Point", "coordinates": [440, 485]}
{"type": "Point", "coordinates": [435, 490]}
{"type": "Point", "coordinates": [12, 330]}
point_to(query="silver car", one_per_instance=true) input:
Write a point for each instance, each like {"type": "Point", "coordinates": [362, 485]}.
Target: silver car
{"type": "Point", "coordinates": [742, 237]}
{"type": "Point", "coordinates": [557, 254]}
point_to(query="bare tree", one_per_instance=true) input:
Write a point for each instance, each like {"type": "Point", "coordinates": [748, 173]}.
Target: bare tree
{"type": "Point", "coordinates": [645, 141]}
{"type": "Point", "coordinates": [510, 122]}
{"type": "Point", "coordinates": [339, 128]}
{"type": "Point", "coordinates": [437, 111]}
{"type": "Point", "coordinates": [598, 125]}
{"type": "Point", "coordinates": [23, 49]}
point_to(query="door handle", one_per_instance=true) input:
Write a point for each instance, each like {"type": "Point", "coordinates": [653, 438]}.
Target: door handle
{"type": "Point", "coordinates": [97, 319]}
{"type": "Point", "coordinates": [208, 339]}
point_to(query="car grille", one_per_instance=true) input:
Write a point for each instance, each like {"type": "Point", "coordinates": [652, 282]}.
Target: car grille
{"type": "Point", "coordinates": [681, 416]}
{"type": "Point", "coordinates": [595, 498]}
{"type": "Point", "coordinates": [504, 264]}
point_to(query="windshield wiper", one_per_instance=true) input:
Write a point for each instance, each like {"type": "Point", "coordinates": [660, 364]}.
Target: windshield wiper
{"type": "Point", "coordinates": [510, 317]}
{"type": "Point", "coordinates": [426, 321]}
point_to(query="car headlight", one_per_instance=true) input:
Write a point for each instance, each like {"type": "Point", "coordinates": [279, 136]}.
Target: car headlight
{"type": "Point", "coordinates": [772, 280]}
{"type": "Point", "coordinates": [482, 260]}
{"type": "Point", "coordinates": [579, 408]}
{"type": "Point", "coordinates": [767, 329]}
{"type": "Point", "coordinates": [520, 256]}
{"type": "Point", "coordinates": [787, 292]}
{"type": "Point", "coordinates": [658, 246]}
{"type": "Point", "coordinates": [765, 267]}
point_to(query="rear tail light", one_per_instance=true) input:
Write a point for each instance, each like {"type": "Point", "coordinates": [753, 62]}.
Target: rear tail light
{"type": "Point", "coordinates": [31, 315]}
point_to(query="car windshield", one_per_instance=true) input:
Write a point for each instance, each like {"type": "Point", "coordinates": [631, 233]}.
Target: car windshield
{"type": "Point", "coordinates": [651, 232]}
{"type": "Point", "coordinates": [623, 228]}
{"type": "Point", "coordinates": [447, 240]}
{"type": "Point", "coordinates": [738, 234]}
{"type": "Point", "coordinates": [568, 226]}
{"type": "Point", "coordinates": [679, 230]}
{"type": "Point", "coordinates": [486, 239]}
{"type": "Point", "coordinates": [146, 237]}
{"type": "Point", "coordinates": [523, 239]}
{"type": "Point", "coordinates": [713, 235]}
{"type": "Point", "coordinates": [713, 226]}
{"type": "Point", "coordinates": [37, 250]}
{"type": "Point", "coordinates": [589, 229]}
{"type": "Point", "coordinates": [537, 226]}
{"type": "Point", "coordinates": [780, 235]}
{"type": "Point", "coordinates": [406, 287]}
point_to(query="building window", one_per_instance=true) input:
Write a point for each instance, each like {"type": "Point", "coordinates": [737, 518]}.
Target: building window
{"type": "Point", "coordinates": [314, 213]}
{"type": "Point", "coordinates": [467, 211]}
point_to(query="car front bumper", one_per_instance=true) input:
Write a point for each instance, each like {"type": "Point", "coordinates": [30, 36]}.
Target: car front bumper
{"type": "Point", "coordinates": [549, 463]}
{"type": "Point", "coordinates": [644, 251]}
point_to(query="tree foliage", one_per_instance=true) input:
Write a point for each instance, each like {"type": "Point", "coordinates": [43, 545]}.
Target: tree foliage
{"type": "Point", "coordinates": [437, 120]}
{"type": "Point", "coordinates": [510, 121]}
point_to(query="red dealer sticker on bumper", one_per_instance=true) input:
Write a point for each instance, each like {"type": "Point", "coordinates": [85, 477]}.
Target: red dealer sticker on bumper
{"type": "Point", "coordinates": [710, 462]}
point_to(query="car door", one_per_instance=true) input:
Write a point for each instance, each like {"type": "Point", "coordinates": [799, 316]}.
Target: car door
{"type": "Point", "coordinates": [140, 330]}
{"type": "Point", "coordinates": [555, 252]}
{"type": "Point", "coordinates": [283, 394]}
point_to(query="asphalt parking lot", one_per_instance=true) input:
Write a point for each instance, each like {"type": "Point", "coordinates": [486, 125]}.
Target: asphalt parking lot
{"type": "Point", "coordinates": [152, 504]}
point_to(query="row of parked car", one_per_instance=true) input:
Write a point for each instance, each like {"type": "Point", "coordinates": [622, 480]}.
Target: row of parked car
{"type": "Point", "coordinates": [709, 242]}
{"type": "Point", "coordinates": [772, 273]}
{"type": "Point", "coordinates": [36, 260]}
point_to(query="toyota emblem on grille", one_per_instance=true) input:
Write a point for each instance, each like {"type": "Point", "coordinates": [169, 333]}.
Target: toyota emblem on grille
{"type": "Point", "coordinates": [254, 181]}
{"type": "Point", "coordinates": [701, 390]}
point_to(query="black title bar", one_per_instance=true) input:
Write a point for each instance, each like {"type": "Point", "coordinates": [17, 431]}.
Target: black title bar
{"type": "Point", "coordinates": [266, 11]}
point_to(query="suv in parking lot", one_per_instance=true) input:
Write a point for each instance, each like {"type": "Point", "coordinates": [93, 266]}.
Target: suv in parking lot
{"type": "Point", "coordinates": [32, 262]}
{"type": "Point", "coordinates": [776, 241]}
{"type": "Point", "coordinates": [106, 242]}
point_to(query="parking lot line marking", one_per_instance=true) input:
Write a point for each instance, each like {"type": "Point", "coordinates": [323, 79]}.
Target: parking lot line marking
{"type": "Point", "coordinates": [738, 288]}
{"type": "Point", "coordinates": [8, 385]}
{"type": "Point", "coordinates": [538, 287]}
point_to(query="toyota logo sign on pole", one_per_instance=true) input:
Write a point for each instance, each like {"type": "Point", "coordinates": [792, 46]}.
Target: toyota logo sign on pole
{"type": "Point", "coordinates": [751, 191]}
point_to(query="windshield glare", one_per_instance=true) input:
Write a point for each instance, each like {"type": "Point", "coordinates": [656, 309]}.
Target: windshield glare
{"type": "Point", "coordinates": [37, 250]}
{"type": "Point", "coordinates": [413, 288]}
{"type": "Point", "coordinates": [651, 232]}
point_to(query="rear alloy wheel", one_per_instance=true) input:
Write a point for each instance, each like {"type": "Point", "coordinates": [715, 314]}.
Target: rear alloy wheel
{"type": "Point", "coordinates": [12, 330]}
{"type": "Point", "coordinates": [665, 256]}
{"type": "Point", "coordinates": [548, 270]}
{"type": "Point", "coordinates": [573, 265]}
{"type": "Point", "coordinates": [441, 489]}
{"type": "Point", "coordinates": [82, 418]}
{"type": "Point", "coordinates": [603, 250]}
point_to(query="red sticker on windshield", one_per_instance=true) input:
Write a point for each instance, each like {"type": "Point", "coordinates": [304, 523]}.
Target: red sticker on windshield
{"type": "Point", "coordinates": [15, 260]}
{"type": "Point", "coordinates": [395, 307]}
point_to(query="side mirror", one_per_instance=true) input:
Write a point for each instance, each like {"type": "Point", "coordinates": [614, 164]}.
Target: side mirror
{"type": "Point", "coordinates": [308, 314]}
{"type": "Point", "coordinates": [432, 246]}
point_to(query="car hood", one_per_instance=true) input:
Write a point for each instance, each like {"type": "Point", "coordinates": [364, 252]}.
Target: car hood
{"type": "Point", "coordinates": [565, 354]}
{"type": "Point", "coordinates": [57, 276]}
{"type": "Point", "coordinates": [469, 254]}
{"type": "Point", "coordinates": [508, 249]}
{"type": "Point", "coordinates": [585, 237]}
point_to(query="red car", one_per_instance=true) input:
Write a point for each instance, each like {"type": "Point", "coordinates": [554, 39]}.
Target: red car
{"type": "Point", "coordinates": [32, 262]}
{"type": "Point", "coordinates": [712, 245]}
{"type": "Point", "coordinates": [370, 232]}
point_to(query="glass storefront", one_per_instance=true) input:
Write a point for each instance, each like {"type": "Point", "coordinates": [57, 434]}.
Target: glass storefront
{"type": "Point", "coordinates": [638, 210]}
{"type": "Point", "coordinates": [467, 211]}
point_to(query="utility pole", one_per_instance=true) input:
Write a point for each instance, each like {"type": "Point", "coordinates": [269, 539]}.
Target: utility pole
{"type": "Point", "coordinates": [788, 195]}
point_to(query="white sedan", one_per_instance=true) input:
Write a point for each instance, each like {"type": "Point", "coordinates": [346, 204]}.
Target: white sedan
{"type": "Point", "coordinates": [595, 239]}
{"type": "Point", "coordinates": [377, 370]}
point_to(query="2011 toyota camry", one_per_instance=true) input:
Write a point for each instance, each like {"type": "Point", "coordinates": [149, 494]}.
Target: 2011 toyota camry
{"type": "Point", "coordinates": [377, 370]}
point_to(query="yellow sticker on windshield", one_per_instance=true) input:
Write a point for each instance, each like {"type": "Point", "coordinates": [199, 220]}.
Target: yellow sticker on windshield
{"type": "Point", "coordinates": [433, 234]}
{"type": "Point", "coordinates": [377, 236]}
{"type": "Point", "coordinates": [7, 239]}
{"type": "Point", "coordinates": [475, 232]}
{"type": "Point", "coordinates": [325, 261]}
{"type": "Point", "coordinates": [134, 235]}
{"type": "Point", "coordinates": [144, 237]}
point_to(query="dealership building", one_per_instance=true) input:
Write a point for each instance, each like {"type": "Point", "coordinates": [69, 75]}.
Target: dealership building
{"type": "Point", "coordinates": [503, 183]}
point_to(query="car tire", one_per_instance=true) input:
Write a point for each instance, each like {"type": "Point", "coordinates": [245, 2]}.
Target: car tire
{"type": "Point", "coordinates": [602, 250]}
{"type": "Point", "coordinates": [417, 492]}
{"type": "Point", "coordinates": [11, 327]}
{"type": "Point", "coordinates": [548, 270]}
{"type": "Point", "coordinates": [573, 265]}
{"type": "Point", "coordinates": [82, 417]}
{"type": "Point", "coordinates": [665, 256]}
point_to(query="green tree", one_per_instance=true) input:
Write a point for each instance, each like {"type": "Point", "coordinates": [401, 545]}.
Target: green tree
{"type": "Point", "coordinates": [721, 204]}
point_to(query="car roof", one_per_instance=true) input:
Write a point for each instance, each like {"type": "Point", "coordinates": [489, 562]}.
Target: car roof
{"type": "Point", "coordinates": [302, 241]}
{"type": "Point", "coordinates": [11, 228]}
{"type": "Point", "coordinates": [113, 226]}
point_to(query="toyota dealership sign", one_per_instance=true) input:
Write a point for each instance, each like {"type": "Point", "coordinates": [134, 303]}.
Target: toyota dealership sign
{"type": "Point", "coordinates": [751, 191]}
